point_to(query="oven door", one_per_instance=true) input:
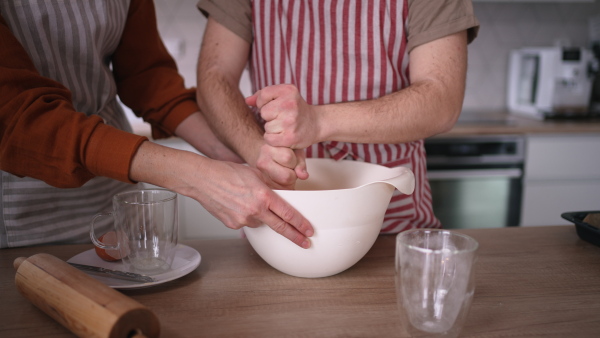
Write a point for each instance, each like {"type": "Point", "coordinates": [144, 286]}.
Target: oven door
{"type": "Point", "coordinates": [476, 198]}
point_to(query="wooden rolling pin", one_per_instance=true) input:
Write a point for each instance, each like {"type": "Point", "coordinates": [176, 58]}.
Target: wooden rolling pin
{"type": "Point", "coordinates": [81, 303]}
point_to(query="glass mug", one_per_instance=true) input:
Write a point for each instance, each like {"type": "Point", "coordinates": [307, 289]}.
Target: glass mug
{"type": "Point", "coordinates": [146, 227]}
{"type": "Point", "coordinates": [434, 281]}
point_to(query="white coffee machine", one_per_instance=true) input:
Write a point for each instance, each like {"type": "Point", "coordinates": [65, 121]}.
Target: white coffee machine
{"type": "Point", "coordinates": [550, 82]}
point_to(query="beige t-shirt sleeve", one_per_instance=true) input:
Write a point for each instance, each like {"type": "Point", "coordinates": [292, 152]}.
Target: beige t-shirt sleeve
{"type": "Point", "coordinates": [235, 15]}
{"type": "Point", "coordinates": [434, 19]}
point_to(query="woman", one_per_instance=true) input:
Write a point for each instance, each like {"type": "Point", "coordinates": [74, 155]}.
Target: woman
{"type": "Point", "coordinates": [66, 146]}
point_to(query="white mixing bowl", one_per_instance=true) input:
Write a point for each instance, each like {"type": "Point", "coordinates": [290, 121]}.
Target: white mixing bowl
{"type": "Point", "coordinates": [345, 201]}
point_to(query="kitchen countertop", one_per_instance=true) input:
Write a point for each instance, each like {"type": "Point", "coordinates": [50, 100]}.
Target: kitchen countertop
{"type": "Point", "coordinates": [495, 123]}
{"type": "Point", "coordinates": [531, 282]}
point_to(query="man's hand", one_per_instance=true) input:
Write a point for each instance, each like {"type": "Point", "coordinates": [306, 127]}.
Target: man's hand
{"type": "Point", "coordinates": [282, 165]}
{"type": "Point", "coordinates": [281, 158]}
{"type": "Point", "coordinates": [290, 121]}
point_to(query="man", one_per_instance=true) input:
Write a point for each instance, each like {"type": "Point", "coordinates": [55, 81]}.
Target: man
{"type": "Point", "coordinates": [65, 145]}
{"type": "Point", "coordinates": [357, 80]}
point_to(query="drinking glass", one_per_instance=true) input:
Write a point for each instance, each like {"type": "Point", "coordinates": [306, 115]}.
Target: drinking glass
{"type": "Point", "coordinates": [434, 281]}
{"type": "Point", "coordinates": [146, 228]}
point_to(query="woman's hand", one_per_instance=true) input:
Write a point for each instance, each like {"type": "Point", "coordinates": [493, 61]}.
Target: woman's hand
{"type": "Point", "coordinates": [236, 194]}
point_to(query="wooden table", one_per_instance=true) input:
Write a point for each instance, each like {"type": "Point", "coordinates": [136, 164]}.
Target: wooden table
{"type": "Point", "coordinates": [541, 281]}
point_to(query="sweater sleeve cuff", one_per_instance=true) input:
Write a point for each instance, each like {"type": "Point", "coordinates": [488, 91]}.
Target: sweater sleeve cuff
{"type": "Point", "coordinates": [173, 119]}
{"type": "Point", "coordinates": [110, 151]}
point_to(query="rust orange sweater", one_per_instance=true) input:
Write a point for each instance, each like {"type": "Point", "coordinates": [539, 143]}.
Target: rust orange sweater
{"type": "Point", "coordinates": [42, 136]}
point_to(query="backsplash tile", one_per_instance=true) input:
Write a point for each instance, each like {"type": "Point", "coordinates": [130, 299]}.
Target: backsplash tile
{"type": "Point", "coordinates": [507, 26]}
{"type": "Point", "coordinates": [504, 26]}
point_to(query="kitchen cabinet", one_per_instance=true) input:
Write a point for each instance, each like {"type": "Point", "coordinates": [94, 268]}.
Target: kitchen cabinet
{"type": "Point", "coordinates": [561, 174]}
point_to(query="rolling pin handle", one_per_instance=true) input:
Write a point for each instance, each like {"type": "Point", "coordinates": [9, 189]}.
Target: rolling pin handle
{"type": "Point", "coordinates": [137, 334]}
{"type": "Point", "coordinates": [62, 292]}
{"type": "Point", "coordinates": [18, 262]}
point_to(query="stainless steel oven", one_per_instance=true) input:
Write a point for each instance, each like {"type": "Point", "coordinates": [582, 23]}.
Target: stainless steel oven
{"type": "Point", "coordinates": [476, 181]}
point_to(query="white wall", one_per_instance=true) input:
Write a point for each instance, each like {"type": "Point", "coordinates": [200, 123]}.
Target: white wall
{"type": "Point", "coordinates": [506, 26]}
{"type": "Point", "coordinates": [181, 26]}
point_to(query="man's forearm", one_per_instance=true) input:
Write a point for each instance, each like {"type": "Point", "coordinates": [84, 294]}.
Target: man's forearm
{"type": "Point", "coordinates": [430, 105]}
{"type": "Point", "coordinates": [410, 114]}
{"type": "Point", "coordinates": [222, 59]}
{"type": "Point", "coordinates": [227, 114]}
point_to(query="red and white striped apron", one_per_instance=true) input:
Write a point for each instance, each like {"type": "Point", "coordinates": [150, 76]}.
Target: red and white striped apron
{"type": "Point", "coordinates": [339, 51]}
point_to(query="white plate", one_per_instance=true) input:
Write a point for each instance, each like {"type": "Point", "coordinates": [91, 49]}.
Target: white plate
{"type": "Point", "coordinates": [186, 260]}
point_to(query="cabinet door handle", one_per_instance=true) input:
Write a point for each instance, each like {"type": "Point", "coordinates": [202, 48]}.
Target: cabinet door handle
{"type": "Point", "coordinates": [472, 173]}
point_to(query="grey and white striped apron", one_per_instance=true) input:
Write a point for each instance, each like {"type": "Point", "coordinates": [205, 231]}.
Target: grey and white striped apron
{"type": "Point", "coordinates": [70, 42]}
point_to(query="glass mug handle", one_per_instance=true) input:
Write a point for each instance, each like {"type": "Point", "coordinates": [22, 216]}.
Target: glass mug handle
{"type": "Point", "coordinates": [95, 240]}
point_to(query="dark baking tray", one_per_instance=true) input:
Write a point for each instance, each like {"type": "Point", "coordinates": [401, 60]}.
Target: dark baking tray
{"type": "Point", "coordinates": [585, 231]}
